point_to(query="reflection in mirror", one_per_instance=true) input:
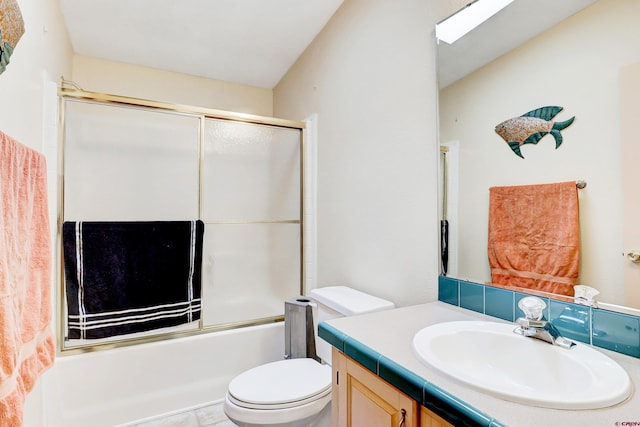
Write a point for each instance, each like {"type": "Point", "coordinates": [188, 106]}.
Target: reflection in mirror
{"type": "Point", "coordinates": [577, 64]}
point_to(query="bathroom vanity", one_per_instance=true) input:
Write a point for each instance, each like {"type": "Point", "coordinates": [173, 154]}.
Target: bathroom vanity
{"type": "Point", "coordinates": [377, 375]}
{"type": "Point", "coordinates": [361, 398]}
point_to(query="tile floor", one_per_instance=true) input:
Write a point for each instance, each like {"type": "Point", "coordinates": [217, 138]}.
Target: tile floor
{"type": "Point", "coordinates": [205, 416]}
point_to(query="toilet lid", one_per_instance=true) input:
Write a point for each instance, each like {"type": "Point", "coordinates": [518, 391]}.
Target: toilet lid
{"type": "Point", "coordinates": [282, 382]}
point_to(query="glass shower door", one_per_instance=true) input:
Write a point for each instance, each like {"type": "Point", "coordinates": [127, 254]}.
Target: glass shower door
{"type": "Point", "coordinates": [251, 206]}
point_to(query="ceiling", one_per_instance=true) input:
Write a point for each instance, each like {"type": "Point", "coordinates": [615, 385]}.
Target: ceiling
{"type": "Point", "coordinates": [255, 42]}
{"type": "Point", "coordinates": [512, 26]}
{"type": "Point", "coordinates": [251, 42]}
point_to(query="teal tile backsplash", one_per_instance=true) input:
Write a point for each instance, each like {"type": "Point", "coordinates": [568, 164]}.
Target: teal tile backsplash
{"type": "Point", "coordinates": [607, 329]}
{"type": "Point", "coordinates": [472, 296]}
{"type": "Point", "coordinates": [448, 290]}
{"type": "Point", "coordinates": [519, 313]}
{"type": "Point", "coordinates": [616, 331]}
{"type": "Point", "coordinates": [572, 320]}
{"type": "Point", "coordinates": [499, 303]}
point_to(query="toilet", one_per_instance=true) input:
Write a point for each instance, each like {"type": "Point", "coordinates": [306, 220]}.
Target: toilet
{"type": "Point", "coordinates": [296, 392]}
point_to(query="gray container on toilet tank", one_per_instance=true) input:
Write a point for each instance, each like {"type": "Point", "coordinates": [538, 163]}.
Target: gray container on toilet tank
{"type": "Point", "coordinates": [299, 329]}
{"type": "Point", "coordinates": [304, 313]}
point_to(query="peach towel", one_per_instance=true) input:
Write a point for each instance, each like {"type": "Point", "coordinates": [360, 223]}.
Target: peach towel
{"type": "Point", "coordinates": [534, 236]}
{"type": "Point", "coordinates": [26, 340]}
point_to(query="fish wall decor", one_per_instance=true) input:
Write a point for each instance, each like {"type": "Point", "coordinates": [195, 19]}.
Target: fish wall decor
{"type": "Point", "coordinates": [531, 127]}
{"type": "Point", "coordinates": [11, 30]}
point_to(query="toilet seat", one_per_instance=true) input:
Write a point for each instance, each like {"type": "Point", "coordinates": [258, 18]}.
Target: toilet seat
{"type": "Point", "coordinates": [280, 385]}
{"type": "Point", "coordinates": [295, 404]}
{"type": "Point", "coordinates": [295, 416]}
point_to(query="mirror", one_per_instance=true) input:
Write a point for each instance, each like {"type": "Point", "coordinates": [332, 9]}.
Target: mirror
{"type": "Point", "coordinates": [585, 63]}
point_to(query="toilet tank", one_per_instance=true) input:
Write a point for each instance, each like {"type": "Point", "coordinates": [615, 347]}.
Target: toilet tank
{"type": "Point", "coordinates": [340, 301]}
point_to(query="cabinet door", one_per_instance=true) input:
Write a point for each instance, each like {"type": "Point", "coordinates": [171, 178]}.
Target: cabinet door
{"type": "Point", "coordinates": [361, 399]}
{"type": "Point", "coordinates": [430, 419]}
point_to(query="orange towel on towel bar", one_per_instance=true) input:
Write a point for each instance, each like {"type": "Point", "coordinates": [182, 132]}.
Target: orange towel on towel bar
{"type": "Point", "coordinates": [534, 236]}
{"type": "Point", "coordinates": [26, 340]}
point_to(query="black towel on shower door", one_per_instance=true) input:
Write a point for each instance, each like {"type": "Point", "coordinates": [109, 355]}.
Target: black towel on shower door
{"type": "Point", "coordinates": [444, 245]}
{"type": "Point", "coordinates": [127, 277]}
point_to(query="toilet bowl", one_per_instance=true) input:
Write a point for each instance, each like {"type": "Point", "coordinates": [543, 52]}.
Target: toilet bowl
{"type": "Point", "coordinates": [296, 392]}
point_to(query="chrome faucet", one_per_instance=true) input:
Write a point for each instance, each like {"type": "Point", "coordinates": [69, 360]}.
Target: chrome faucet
{"type": "Point", "coordinates": [542, 330]}
{"type": "Point", "coordinates": [533, 325]}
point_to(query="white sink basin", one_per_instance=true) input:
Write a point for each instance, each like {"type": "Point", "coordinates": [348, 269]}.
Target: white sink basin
{"type": "Point", "coordinates": [491, 357]}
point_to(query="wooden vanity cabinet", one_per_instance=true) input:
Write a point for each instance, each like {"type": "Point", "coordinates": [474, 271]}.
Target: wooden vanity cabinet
{"type": "Point", "coordinates": [429, 419]}
{"type": "Point", "coordinates": [362, 399]}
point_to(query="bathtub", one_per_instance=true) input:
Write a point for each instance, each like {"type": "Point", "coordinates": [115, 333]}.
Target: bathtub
{"type": "Point", "coordinates": [111, 387]}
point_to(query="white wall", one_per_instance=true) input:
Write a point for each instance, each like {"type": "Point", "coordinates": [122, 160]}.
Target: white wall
{"type": "Point", "coordinates": [574, 65]}
{"type": "Point", "coordinates": [117, 78]}
{"type": "Point", "coordinates": [41, 56]}
{"type": "Point", "coordinates": [630, 152]}
{"type": "Point", "coordinates": [370, 77]}
{"type": "Point", "coordinates": [43, 52]}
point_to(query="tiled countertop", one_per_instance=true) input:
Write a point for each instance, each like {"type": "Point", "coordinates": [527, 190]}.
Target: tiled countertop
{"type": "Point", "coordinates": [382, 342]}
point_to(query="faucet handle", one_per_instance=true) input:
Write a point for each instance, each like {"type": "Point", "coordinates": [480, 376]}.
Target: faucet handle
{"type": "Point", "coordinates": [532, 307]}
{"type": "Point", "coordinates": [531, 323]}
{"type": "Point", "coordinates": [524, 327]}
